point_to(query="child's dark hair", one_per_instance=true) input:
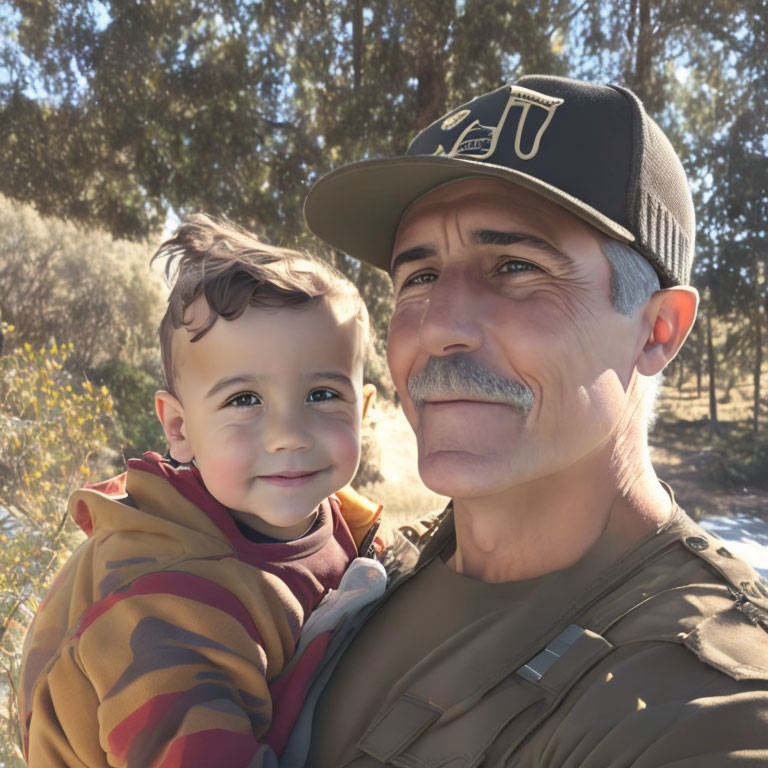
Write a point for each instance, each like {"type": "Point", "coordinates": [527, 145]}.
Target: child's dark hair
{"type": "Point", "coordinates": [233, 270]}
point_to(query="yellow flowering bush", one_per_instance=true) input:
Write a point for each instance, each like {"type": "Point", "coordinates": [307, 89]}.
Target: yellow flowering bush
{"type": "Point", "coordinates": [51, 426]}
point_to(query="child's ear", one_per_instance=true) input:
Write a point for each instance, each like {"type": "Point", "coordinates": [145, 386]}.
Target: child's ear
{"type": "Point", "coordinates": [171, 414]}
{"type": "Point", "coordinates": [671, 313]}
{"type": "Point", "coordinates": [369, 398]}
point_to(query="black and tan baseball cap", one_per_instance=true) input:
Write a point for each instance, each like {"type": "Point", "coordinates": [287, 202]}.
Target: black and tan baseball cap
{"type": "Point", "coordinates": [590, 148]}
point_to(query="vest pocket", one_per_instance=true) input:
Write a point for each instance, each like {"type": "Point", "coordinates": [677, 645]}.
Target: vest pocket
{"type": "Point", "coordinates": [414, 734]}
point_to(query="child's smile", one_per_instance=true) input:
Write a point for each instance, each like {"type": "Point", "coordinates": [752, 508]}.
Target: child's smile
{"type": "Point", "coordinates": [272, 404]}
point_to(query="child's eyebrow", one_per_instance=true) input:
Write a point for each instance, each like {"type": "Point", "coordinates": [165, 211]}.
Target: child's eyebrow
{"type": "Point", "coordinates": [227, 382]}
{"type": "Point", "coordinates": [334, 376]}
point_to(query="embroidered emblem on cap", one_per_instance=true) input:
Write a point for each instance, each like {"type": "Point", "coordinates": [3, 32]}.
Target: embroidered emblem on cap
{"type": "Point", "coordinates": [478, 141]}
{"type": "Point", "coordinates": [453, 120]}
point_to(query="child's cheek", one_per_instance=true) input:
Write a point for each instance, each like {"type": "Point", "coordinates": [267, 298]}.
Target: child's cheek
{"type": "Point", "coordinates": [240, 449]}
{"type": "Point", "coordinates": [345, 440]}
{"type": "Point", "coordinates": [233, 460]}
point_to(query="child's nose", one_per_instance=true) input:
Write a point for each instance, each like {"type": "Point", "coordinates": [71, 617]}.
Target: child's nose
{"type": "Point", "coordinates": [286, 431]}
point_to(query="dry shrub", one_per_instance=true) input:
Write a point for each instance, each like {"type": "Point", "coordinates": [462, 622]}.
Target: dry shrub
{"type": "Point", "coordinates": [52, 426]}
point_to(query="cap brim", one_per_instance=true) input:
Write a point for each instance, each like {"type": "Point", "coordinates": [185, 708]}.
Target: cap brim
{"type": "Point", "coordinates": [357, 208]}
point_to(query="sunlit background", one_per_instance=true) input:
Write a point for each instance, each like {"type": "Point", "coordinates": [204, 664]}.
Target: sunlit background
{"type": "Point", "coordinates": [117, 118]}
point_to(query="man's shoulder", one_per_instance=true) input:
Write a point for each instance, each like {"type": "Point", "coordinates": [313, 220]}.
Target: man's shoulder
{"type": "Point", "coordinates": [677, 662]}
{"type": "Point", "coordinates": [136, 524]}
{"type": "Point", "coordinates": [702, 596]}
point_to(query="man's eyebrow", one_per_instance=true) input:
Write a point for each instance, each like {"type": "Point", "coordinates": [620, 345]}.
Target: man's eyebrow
{"type": "Point", "coordinates": [412, 254]}
{"type": "Point", "coordinates": [226, 383]}
{"type": "Point", "coordinates": [485, 237]}
{"type": "Point", "coordinates": [494, 237]}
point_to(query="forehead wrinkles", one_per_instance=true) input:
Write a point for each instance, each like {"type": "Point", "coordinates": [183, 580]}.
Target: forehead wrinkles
{"type": "Point", "coordinates": [432, 224]}
{"type": "Point", "coordinates": [435, 221]}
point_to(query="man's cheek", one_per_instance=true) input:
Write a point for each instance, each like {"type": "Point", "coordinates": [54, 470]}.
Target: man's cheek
{"type": "Point", "coordinates": [402, 338]}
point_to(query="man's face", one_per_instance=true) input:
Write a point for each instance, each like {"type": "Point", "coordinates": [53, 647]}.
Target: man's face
{"type": "Point", "coordinates": [519, 286]}
{"type": "Point", "coordinates": [272, 408]}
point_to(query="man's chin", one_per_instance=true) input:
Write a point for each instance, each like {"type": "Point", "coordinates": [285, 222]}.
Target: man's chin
{"type": "Point", "coordinates": [461, 475]}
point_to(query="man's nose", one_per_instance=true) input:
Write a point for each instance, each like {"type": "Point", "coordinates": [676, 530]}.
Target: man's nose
{"type": "Point", "coordinates": [285, 431]}
{"type": "Point", "coordinates": [452, 321]}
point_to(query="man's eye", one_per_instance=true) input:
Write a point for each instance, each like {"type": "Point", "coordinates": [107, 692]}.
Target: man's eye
{"type": "Point", "coordinates": [421, 278]}
{"type": "Point", "coordinates": [321, 395]}
{"type": "Point", "coordinates": [516, 265]}
{"type": "Point", "coordinates": [244, 400]}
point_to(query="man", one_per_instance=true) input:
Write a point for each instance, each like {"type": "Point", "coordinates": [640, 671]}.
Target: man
{"type": "Point", "coordinates": [565, 611]}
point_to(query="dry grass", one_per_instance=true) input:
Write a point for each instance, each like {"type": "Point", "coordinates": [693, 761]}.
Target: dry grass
{"type": "Point", "coordinates": [688, 405]}
{"type": "Point", "coordinates": [401, 492]}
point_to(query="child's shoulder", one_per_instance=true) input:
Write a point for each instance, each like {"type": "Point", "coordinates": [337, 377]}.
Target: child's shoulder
{"type": "Point", "coordinates": [152, 510]}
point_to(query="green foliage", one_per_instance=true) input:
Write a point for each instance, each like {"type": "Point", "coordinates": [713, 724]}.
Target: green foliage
{"type": "Point", "coordinates": [61, 282]}
{"type": "Point", "coordinates": [117, 111]}
{"type": "Point", "coordinates": [51, 427]}
{"type": "Point", "coordinates": [133, 390]}
{"type": "Point", "coordinates": [114, 114]}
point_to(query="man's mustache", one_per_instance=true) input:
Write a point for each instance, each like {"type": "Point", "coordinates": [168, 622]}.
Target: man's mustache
{"type": "Point", "coordinates": [460, 377]}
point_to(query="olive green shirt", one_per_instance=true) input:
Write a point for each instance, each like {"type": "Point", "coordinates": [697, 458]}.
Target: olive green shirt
{"type": "Point", "coordinates": [655, 657]}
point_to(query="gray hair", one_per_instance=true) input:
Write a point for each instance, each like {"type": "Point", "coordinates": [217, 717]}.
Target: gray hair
{"type": "Point", "coordinates": [633, 279]}
{"type": "Point", "coordinates": [633, 282]}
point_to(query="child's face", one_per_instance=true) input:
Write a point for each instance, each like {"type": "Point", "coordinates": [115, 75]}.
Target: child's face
{"type": "Point", "coordinates": [270, 407]}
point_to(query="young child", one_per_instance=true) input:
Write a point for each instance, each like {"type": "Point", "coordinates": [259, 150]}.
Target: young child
{"type": "Point", "coordinates": [159, 636]}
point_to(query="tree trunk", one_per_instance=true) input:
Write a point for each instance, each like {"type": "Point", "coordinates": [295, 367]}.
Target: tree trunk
{"type": "Point", "coordinates": [713, 424]}
{"type": "Point", "coordinates": [435, 22]}
{"type": "Point", "coordinates": [758, 366]}
{"type": "Point", "coordinates": [726, 398]}
{"type": "Point", "coordinates": [357, 45]}
{"type": "Point", "coordinates": [642, 76]}
{"type": "Point", "coordinates": [699, 357]}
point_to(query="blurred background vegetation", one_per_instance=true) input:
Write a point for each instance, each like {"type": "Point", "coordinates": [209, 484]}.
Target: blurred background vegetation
{"type": "Point", "coordinates": [118, 117]}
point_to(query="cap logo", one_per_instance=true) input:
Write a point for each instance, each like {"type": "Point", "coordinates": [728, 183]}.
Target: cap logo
{"type": "Point", "coordinates": [454, 120]}
{"type": "Point", "coordinates": [478, 141]}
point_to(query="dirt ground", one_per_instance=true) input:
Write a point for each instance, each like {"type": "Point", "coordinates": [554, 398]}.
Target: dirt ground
{"type": "Point", "coordinates": [682, 453]}
{"type": "Point", "coordinates": [685, 468]}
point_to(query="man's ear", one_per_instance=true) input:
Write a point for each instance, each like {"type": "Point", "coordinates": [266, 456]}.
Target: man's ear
{"type": "Point", "coordinates": [171, 414]}
{"type": "Point", "coordinates": [671, 313]}
{"type": "Point", "coordinates": [369, 398]}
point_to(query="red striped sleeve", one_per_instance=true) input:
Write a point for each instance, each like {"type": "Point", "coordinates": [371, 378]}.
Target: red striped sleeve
{"type": "Point", "coordinates": [179, 585]}
{"type": "Point", "coordinates": [153, 717]}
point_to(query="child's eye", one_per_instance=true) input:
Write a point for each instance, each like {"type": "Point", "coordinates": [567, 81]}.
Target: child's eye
{"type": "Point", "coordinates": [321, 395]}
{"type": "Point", "coordinates": [244, 400]}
